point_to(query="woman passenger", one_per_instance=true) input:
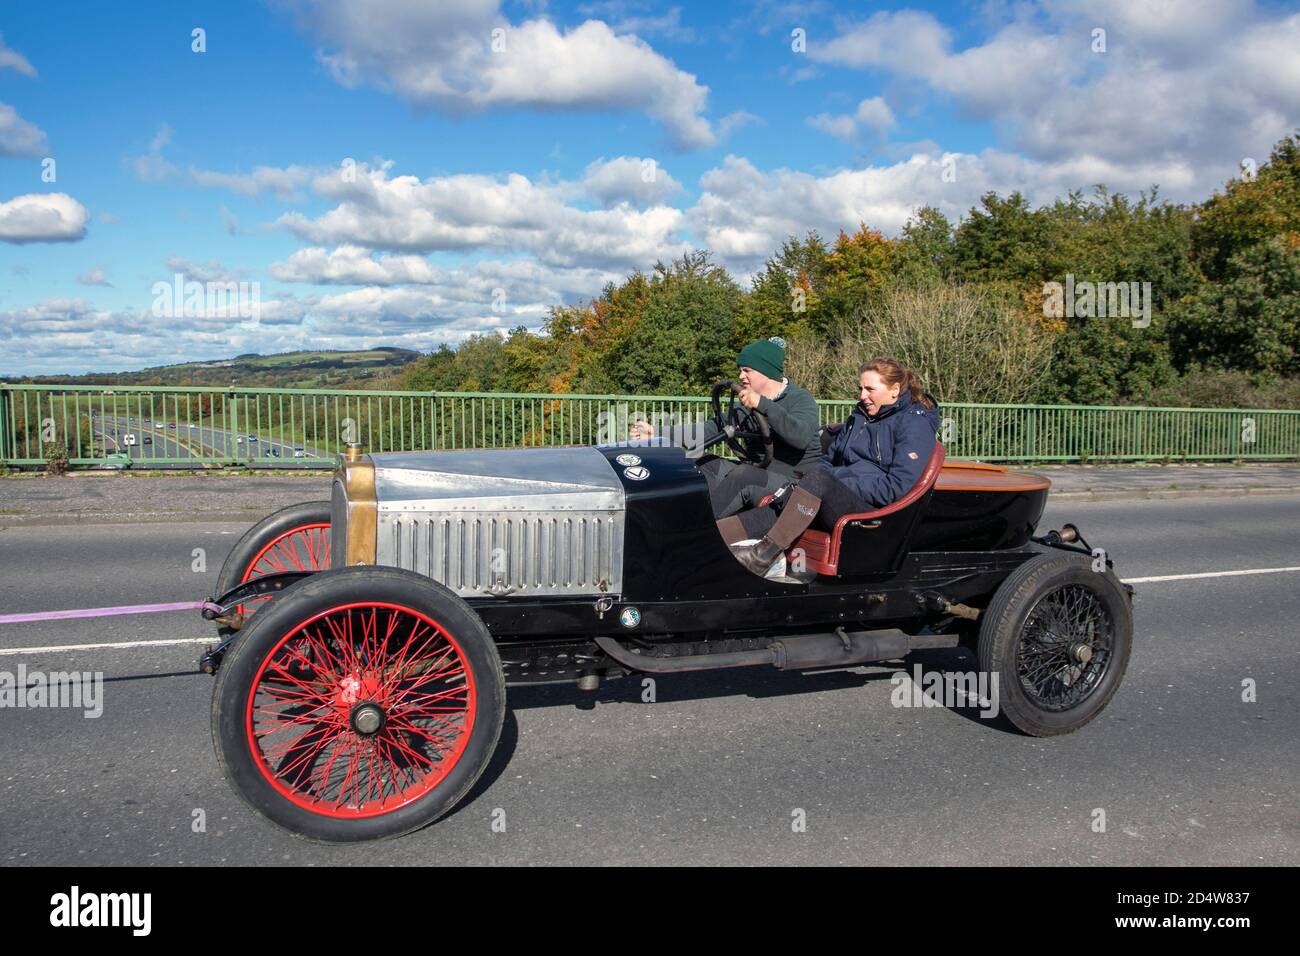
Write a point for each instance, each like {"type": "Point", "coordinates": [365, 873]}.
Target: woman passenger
{"type": "Point", "coordinates": [876, 457]}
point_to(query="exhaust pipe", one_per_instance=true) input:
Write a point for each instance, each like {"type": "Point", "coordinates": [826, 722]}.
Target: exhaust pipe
{"type": "Point", "coordinates": [797, 652]}
{"type": "Point", "coordinates": [842, 647]}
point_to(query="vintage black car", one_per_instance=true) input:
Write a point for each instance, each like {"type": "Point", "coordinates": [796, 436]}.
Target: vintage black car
{"type": "Point", "coordinates": [369, 639]}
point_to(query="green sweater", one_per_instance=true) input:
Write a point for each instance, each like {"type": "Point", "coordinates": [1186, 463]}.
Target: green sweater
{"type": "Point", "coordinates": [793, 417]}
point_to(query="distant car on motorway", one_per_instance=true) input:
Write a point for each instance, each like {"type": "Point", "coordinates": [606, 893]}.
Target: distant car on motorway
{"type": "Point", "coordinates": [148, 440]}
{"type": "Point", "coordinates": [172, 426]}
{"type": "Point", "coordinates": [299, 453]}
{"type": "Point", "coordinates": [252, 438]}
{"type": "Point", "coordinates": [272, 453]}
{"type": "Point", "coordinates": [128, 439]}
{"type": "Point", "coordinates": [158, 424]}
{"type": "Point", "coordinates": [239, 439]}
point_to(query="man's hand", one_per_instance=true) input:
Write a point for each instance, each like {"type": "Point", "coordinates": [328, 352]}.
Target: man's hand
{"type": "Point", "coordinates": [749, 398]}
{"type": "Point", "coordinates": [638, 431]}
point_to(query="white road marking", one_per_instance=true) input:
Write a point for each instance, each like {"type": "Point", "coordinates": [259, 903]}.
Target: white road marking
{"type": "Point", "coordinates": [209, 640]}
{"type": "Point", "coordinates": [1208, 574]}
{"type": "Point", "coordinates": [115, 644]}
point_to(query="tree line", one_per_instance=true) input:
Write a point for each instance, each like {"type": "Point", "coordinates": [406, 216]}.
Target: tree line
{"type": "Point", "coordinates": [962, 303]}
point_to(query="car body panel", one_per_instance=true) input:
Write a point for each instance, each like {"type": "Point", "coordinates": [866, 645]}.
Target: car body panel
{"type": "Point", "coordinates": [543, 521]}
{"type": "Point", "coordinates": [554, 544]}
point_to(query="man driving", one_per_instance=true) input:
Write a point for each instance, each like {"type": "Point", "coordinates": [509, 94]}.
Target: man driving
{"type": "Point", "coordinates": [791, 412]}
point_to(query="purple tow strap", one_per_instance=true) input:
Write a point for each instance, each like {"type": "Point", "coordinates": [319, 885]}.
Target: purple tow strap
{"type": "Point", "coordinates": [107, 611]}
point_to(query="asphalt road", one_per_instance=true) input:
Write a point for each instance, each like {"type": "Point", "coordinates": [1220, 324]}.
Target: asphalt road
{"type": "Point", "coordinates": [716, 769]}
{"type": "Point", "coordinates": [111, 434]}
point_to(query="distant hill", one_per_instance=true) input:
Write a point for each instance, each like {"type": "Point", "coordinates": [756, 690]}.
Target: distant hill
{"type": "Point", "coordinates": [374, 368]}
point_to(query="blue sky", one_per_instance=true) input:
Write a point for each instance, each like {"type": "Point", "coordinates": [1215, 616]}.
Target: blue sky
{"type": "Point", "coordinates": [509, 156]}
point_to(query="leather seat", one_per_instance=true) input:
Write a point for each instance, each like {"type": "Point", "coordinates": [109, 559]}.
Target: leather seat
{"type": "Point", "coordinates": [821, 549]}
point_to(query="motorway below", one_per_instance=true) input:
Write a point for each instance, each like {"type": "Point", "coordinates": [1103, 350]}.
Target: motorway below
{"type": "Point", "coordinates": [171, 439]}
{"type": "Point", "coordinates": [1185, 771]}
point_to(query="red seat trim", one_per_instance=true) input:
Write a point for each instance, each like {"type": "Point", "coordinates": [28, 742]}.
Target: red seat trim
{"type": "Point", "coordinates": [821, 550]}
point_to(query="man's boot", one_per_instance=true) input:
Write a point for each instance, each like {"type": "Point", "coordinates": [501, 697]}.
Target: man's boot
{"type": "Point", "coordinates": [794, 520]}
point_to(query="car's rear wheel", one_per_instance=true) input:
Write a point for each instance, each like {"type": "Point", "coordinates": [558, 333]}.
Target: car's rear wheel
{"type": "Point", "coordinates": [1057, 636]}
{"type": "Point", "coordinates": [363, 703]}
{"type": "Point", "coordinates": [296, 538]}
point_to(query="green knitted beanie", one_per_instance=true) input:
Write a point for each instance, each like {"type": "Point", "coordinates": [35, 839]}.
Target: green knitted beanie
{"type": "Point", "coordinates": [763, 356]}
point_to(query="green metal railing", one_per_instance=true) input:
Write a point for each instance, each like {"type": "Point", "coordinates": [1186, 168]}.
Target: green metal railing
{"type": "Point", "coordinates": [267, 426]}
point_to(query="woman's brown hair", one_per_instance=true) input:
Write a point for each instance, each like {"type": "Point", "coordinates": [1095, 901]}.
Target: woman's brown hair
{"type": "Point", "coordinates": [895, 374]}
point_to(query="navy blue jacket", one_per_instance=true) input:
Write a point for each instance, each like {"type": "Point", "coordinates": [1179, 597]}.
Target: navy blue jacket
{"type": "Point", "coordinates": [880, 457]}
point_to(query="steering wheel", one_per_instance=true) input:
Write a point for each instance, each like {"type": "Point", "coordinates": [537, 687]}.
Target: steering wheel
{"type": "Point", "coordinates": [748, 433]}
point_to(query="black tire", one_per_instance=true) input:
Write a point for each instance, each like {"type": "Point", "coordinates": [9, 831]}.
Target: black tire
{"type": "Point", "coordinates": [1033, 634]}
{"type": "Point", "coordinates": [274, 526]}
{"type": "Point", "coordinates": [274, 642]}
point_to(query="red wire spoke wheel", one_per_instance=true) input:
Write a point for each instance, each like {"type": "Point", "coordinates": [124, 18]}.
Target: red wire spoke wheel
{"type": "Point", "coordinates": [361, 709]}
{"type": "Point", "coordinates": [303, 548]}
{"type": "Point", "coordinates": [296, 538]}
{"type": "Point", "coordinates": [363, 703]}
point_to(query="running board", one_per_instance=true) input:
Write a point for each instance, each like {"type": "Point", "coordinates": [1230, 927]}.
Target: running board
{"type": "Point", "coordinates": [797, 652]}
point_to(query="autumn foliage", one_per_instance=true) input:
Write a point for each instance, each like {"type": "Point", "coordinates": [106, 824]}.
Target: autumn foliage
{"type": "Point", "coordinates": [1224, 277]}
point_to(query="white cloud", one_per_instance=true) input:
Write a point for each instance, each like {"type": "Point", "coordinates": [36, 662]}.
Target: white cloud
{"type": "Point", "coordinates": [19, 137]}
{"type": "Point", "coordinates": [1188, 88]}
{"type": "Point", "coordinates": [229, 220]}
{"type": "Point", "coordinates": [442, 55]}
{"type": "Point", "coordinates": [635, 18]}
{"type": "Point", "coordinates": [1018, 66]}
{"type": "Point", "coordinates": [476, 212]}
{"type": "Point", "coordinates": [351, 265]}
{"type": "Point", "coordinates": [516, 280]}
{"type": "Point", "coordinates": [284, 183]}
{"type": "Point", "coordinates": [210, 271]}
{"type": "Point", "coordinates": [71, 335]}
{"type": "Point", "coordinates": [42, 217]}
{"type": "Point", "coordinates": [152, 167]}
{"type": "Point", "coordinates": [94, 276]}
{"type": "Point", "coordinates": [13, 60]}
{"type": "Point", "coordinates": [841, 127]}
{"type": "Point", "coordinates": [736, 121]}
{"type": "Point", "coordinates": [41, 324]}
{"type": "Point", "coordinates": [872, 115]}
{"type": "Point", "coordinates": [744, 213]}
{"type": "Point", "coordinates": [629, 179]}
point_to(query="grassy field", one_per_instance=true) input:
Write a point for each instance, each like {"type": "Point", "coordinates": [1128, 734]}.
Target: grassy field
{"type": "Point", "coordinates": [373, 368]}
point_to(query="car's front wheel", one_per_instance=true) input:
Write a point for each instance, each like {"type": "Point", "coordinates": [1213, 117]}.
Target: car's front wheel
{"type": "Point", "coordinates": [363, 703]}
{"type": "Point", "coordinates": [1057, 637]}
{"type": "Point", "coordinates": [296, 538]}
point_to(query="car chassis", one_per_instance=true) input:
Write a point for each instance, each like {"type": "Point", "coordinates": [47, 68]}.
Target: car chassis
{"type": "Point", "coordinates": [367, 641]}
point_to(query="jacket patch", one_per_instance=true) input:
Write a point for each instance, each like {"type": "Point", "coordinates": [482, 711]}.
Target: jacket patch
{"type": "Point", "coordinates": [913, 455]}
